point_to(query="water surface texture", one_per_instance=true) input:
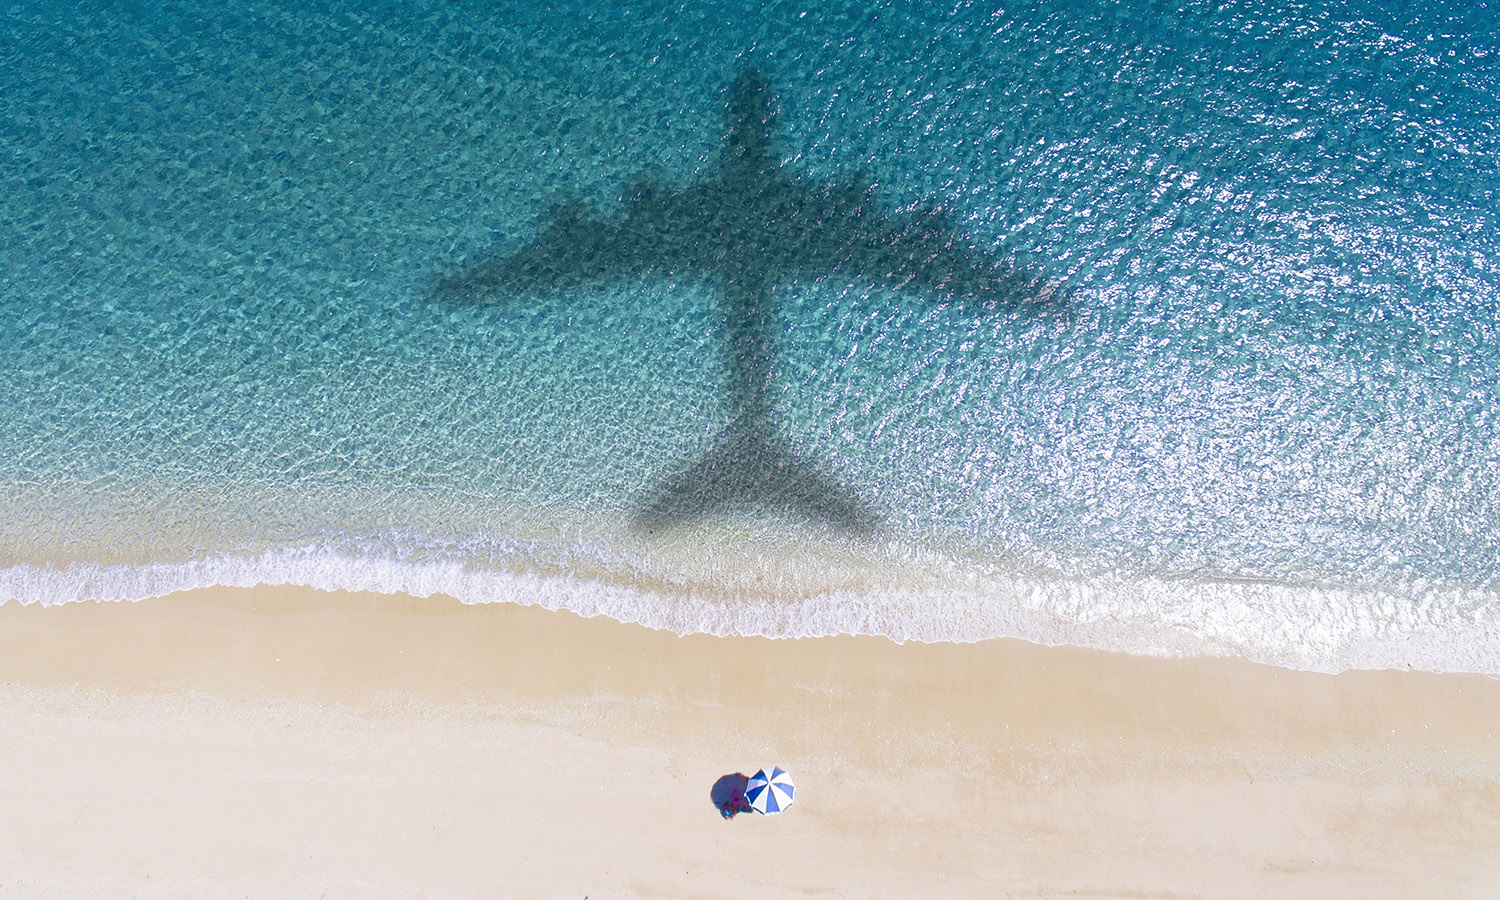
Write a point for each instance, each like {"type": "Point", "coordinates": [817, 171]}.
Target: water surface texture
{"type": "Point", "coordinates": [1161, 327]}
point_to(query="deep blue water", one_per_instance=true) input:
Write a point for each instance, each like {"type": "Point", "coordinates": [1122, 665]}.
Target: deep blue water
{"type": "Point", "coordinates": [1234, 388]}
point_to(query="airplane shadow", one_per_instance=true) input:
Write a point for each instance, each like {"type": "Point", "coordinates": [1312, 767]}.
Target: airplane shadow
{"type": "Point", "coordinates": [750, 226]}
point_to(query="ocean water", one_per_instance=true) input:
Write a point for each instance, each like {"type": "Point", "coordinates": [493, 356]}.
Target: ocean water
{"type": "Point", "coordinates": [1171, 328]}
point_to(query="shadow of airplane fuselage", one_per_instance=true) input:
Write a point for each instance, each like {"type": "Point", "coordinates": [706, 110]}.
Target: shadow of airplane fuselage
{"type": "Point", "coordinates": [747, 229]}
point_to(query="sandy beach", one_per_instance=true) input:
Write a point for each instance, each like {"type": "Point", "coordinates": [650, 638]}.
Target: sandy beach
{"type": "Point", "coordinates": [281, 742]}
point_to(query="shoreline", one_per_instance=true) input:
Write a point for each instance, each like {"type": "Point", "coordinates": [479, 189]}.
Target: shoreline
{"type": "Point", "coordinates": [935, 599]}
{"type": "Point", "coordinates": [549, 755]}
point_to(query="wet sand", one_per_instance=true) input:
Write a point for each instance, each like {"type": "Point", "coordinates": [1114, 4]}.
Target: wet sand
{"type": "Point", "coordinates": [290, 743]}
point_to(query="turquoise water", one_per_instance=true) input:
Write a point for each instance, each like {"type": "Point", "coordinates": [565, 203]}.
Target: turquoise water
{"type": "Point", "coordinates": [1169, 328]}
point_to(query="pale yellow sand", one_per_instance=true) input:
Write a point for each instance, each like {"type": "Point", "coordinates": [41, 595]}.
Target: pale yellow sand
{"type": "Point", "coordinates": [286, 743]}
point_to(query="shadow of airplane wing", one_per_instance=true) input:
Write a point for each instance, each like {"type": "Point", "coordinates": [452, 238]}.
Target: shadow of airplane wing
{"type": "Point", "coordinates": [920, 252]}
{"type": "Point", "coordinates": [573, 248]}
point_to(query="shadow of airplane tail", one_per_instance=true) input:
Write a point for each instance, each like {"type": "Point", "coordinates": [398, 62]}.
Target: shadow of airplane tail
{"type": "Point", "coordinates": [746, 470]}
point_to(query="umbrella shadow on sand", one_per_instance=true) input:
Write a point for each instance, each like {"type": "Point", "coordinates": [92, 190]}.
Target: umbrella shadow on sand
{"type": "Point", "coordinates": [749, 227]}
{"type": "Point", "coordinates": [728, 794]}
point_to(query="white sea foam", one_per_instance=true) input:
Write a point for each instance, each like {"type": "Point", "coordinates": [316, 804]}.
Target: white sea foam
{"type": "Point", "coordinates": [1312, 628]}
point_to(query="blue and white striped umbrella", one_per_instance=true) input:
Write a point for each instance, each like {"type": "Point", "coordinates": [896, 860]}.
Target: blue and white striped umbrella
{"type": "Point", "coordinates": [770, 793]}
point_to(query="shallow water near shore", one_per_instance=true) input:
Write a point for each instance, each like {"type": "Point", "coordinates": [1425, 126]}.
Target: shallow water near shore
{"type": "Point", "coordinates": [1238, 396]}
